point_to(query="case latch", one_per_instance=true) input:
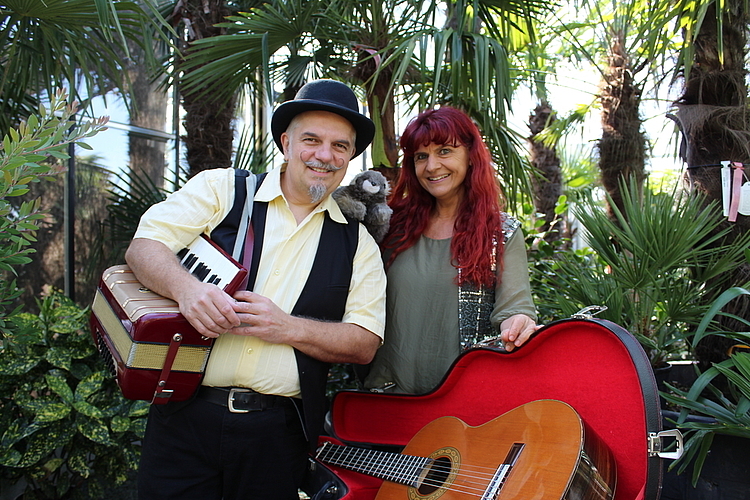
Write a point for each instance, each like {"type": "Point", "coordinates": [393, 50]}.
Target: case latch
{"type": "Point", "coordinates": [589, 312]}
{"type": "Point", "coordinates": [656, 446]}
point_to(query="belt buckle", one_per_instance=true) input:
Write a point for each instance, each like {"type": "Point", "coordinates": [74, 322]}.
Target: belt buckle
{"type": "Point", "coordinates": [230, 400]}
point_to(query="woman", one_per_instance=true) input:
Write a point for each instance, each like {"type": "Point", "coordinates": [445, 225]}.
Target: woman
{"type": "Point", "coordinates": [456, 264]}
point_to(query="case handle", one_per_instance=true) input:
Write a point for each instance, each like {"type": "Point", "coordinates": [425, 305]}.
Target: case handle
{"type": "Point", "coordinates": [589, 312]}
{"type": "Point", "coordinates": [656, 446]}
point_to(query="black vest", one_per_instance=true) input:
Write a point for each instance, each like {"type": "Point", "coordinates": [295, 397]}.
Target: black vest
{"type": "Point", "coordinates": [323, 297]}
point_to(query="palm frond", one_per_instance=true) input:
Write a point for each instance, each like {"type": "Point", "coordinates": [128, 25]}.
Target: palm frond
{"type": "Point", "coordinates": [130, 196]}
{"type": "Point", "coordinates": [63, 43]}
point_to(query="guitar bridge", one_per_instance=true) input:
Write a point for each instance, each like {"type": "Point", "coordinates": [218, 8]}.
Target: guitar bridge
{"type": "Point", "coordinates": [502, 472]}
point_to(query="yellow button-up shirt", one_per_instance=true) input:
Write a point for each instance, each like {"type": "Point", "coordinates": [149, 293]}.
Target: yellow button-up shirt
{"type": "Point", "coordinates": [287, 257]}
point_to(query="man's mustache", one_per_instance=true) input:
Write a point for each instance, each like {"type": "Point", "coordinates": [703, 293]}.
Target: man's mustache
{"type": "Point", "coordinates": [323, 166]}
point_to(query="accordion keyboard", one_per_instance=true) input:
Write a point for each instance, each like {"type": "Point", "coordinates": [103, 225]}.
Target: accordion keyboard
{"type": "Point", "coordinates": [207, 263]}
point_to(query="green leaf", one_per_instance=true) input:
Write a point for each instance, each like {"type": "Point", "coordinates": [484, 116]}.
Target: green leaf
{"type": "Point", "coordinates": [17, 366]}
{"type": "Point", "coordinates": [89, 385]}
{"type": "Point", "coordinates": [9, 457]}
{"type": "Point", "coordinates": [562, 205]}
{"type": "Point", "coordinates": [88, 409]}
{"type": "Point", "coordinates": [52, 411]}
{"type": "Point", "coordinates": [53, 464]}
{"type": "Point", "coordinates": [17, 430]}
{"type": "Point", "coordinates": [139, 409]}
{"type": "Point", "coordinates": [138, 427]}
{"type": "Point", "coordinates": [94, 430]}
{"type": "Point", "coordinates": [78, 462]}
{"type": "Point", "coordinates": [59, 386]}
{"type": "Point", "coordinates": [119, 424]}
{"type": "Point", "coordinates": [80, 371]}
{"type": "Point", "coordinates": [58, 357]}
{"type": "Point", "coordinates": [39, 446]}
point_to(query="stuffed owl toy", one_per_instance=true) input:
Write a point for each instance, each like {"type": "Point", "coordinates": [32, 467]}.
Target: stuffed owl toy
{"type": "Point", "coordinates": [365, 200]}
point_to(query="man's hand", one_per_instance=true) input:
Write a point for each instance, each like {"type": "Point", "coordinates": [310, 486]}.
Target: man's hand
{"type": "Point", "coordinates": [261, 317]}
{"type": "Point", "coordinates": [332, 342]}
{"type": "Point", "coordinates": [206, 307]}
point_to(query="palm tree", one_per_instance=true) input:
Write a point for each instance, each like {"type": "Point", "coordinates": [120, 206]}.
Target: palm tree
{"type": "Point", "coordinates": [148, 111]}
{"type": "Point", "coordinates": [547, 180]}
{"type": "Point", "coordinates": [81, 45]}
{"type": "Point", "coordinates": [630, 44]}
{"type": "Point", "coordinates": [712, 114]}
{"type": "Point", "coordinates": [384, 49]}
{"type": "Point", "coordinates": [76, 44]}
{"type": "Point", "coordinates": [208, 126]}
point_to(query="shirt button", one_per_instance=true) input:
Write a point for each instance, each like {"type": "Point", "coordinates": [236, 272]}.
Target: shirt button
{"type": "Point", "coordinates": [277, 272]}
{"type": "Point", "coordinates": [250, 351]}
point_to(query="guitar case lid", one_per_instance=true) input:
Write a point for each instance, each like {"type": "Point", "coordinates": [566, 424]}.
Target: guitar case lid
{"type": "Point", "coordinates": [595, 366]}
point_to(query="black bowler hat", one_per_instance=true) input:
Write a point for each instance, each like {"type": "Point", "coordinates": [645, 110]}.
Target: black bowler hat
{"type": "Point", "coordinates": [324, 95]}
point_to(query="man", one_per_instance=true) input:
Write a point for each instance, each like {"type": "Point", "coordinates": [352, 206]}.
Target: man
{"type": "Point", "coordinates": [318, 297]}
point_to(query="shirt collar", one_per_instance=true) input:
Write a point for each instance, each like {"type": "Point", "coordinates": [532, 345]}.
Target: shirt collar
{"type": "Point", "coordinates": [271, 189]}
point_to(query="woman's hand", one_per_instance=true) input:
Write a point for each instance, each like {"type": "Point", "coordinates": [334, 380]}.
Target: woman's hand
{"type": "Point", "coordinates": [516, 330]}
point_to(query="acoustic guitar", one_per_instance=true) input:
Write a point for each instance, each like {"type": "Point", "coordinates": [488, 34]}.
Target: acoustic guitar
{"type": "Point", "coordinates": [540, 450]}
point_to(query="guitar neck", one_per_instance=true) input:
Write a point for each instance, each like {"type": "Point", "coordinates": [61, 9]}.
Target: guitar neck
{"type": "Point", "coordinates": [394, 467]}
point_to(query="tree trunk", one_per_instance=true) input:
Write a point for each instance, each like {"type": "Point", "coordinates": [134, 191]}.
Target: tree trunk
{"type": "Point", "coordinates": [380, 101]}
{"type": "Point", "coordinates": [149, 111]}
{"type": "Point", "coordinates": [622, 148]}
{"type": "Point", "coordinates": [547, 178]}
{"type": "Point", "coordinates": [713, 116]}
{"type": "Point", "coordinates": [384, 147]}
{"type": "Point", "coordinates": [208, 122]}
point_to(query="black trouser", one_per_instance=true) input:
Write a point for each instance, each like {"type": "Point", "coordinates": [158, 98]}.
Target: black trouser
{"type": "Point", "coordinates": [200, 450]}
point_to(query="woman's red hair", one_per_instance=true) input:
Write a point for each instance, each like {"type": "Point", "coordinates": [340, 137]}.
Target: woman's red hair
{"type": "Point", "coordinates": [478, 219]}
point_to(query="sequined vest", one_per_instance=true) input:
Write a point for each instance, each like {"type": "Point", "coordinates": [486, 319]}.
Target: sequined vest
{"type": "Point", "coordinates": [475, 304]}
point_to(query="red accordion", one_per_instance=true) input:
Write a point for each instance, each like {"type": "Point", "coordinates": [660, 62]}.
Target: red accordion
{"type": "Point", "coordinates": [152, 350]}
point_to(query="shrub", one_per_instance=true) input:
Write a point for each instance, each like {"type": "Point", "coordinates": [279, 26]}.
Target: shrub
{"type": "Point", "coordinates": [69, 433]}
{"type": "Point", "coordinates": [65, 429]}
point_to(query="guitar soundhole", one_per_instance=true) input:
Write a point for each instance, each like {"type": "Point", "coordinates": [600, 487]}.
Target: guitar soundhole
{"type": "Point", "coordinates": [436, 476]}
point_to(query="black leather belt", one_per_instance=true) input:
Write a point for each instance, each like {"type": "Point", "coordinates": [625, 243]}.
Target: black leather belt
{"type": "Point", "coordinates": [240, 400]}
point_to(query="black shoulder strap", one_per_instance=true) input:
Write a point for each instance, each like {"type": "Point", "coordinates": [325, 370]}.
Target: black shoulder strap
{"type": "Point", "coordinates": [258, 225]}
{"type": "Point", "coordinates": [225, 233]}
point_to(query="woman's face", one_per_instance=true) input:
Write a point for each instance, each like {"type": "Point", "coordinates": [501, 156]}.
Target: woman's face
{"type": "Point", "coordinates": [441, 170]}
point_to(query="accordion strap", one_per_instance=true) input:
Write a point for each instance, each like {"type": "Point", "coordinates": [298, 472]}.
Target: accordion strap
{"type": "Point", "coordinates": [247, 213]}
{"type": "Point", "coordinates": [162, 395]}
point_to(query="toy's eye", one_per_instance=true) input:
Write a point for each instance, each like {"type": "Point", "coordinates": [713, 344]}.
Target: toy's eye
{"type": "Point", "coordinates": [370, 187]}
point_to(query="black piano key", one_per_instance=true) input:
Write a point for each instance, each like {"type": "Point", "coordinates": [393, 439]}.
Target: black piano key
{"type": "Point", "coordinates": [182, 253]}
{"type": "Point", "coordinates": [201, 271]}
{"type": "Point", "coordinates": [214, 280]}
{"type": "Point", "coordinates": [190, 261]}
{"type": "Point", "coordinates": [196, 269]}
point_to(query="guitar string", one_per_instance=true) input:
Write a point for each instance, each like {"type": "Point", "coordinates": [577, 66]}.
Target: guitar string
{"type": "Point", "coordinates": [365, 462]}
{"type": "Point", "coordinates": [476, 483]}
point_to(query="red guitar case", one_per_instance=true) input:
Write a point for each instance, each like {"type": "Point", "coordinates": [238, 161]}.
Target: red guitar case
{"type": "Point", "coordinates": [595, 366]}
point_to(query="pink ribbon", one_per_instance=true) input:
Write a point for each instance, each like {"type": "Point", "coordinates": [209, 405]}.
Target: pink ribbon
{"type": "Point", "coordinates": [371, 51]}
{"type": "Point", "coordinates": [736, 184]}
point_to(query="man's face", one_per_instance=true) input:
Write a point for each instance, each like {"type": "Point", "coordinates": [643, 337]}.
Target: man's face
{"type": "Point", "coordinates": [317, 146]}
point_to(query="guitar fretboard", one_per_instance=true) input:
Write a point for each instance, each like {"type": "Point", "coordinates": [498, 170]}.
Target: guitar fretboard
{"type": "Point", "coordinates": [394, 467]}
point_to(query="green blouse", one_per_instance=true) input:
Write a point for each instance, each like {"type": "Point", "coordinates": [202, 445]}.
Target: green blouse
{"type": "Point", "coordinates": [421, 331]}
